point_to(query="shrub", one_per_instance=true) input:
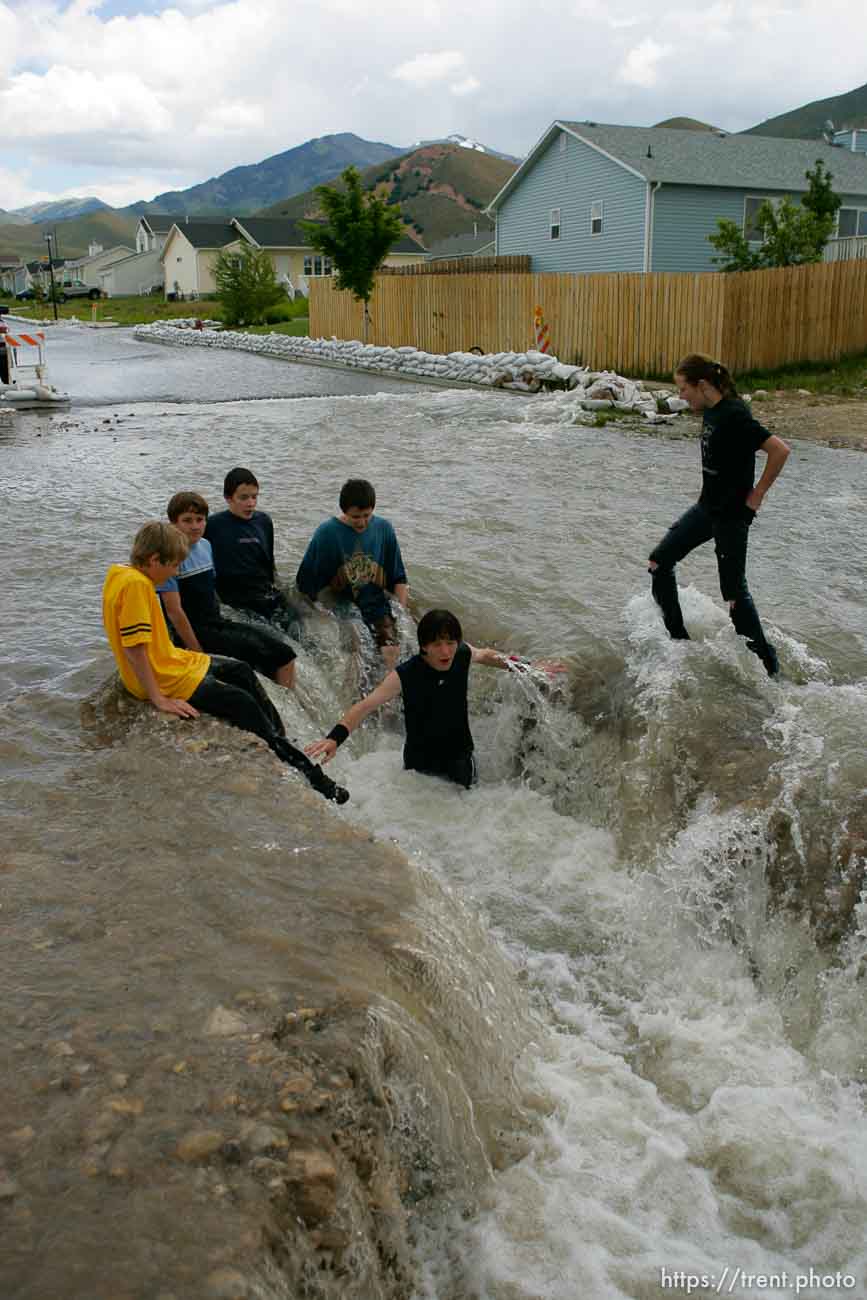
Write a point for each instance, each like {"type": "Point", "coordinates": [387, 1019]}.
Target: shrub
{"type": "Point", "coordinates": [274, 315]}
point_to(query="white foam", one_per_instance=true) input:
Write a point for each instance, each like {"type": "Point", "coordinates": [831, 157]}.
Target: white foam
{"type": "Point", "coordinates": [684, 1128]}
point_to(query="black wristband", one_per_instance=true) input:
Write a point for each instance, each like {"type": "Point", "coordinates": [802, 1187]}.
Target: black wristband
{"type": "Point", "coordinates": [338, 734]}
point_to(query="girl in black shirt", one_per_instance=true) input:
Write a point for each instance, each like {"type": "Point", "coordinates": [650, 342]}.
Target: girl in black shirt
{"type": "Point", "coordinates": [728, 503]}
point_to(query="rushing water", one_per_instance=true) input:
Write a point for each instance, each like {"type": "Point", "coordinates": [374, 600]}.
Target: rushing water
{"type": "Point", "coordinates": [616, 992]}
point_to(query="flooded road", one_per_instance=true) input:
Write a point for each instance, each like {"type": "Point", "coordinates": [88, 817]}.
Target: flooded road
{"type": "Point", "coordinates": [105, 366]}
{"type": "Point", "coordinates": [600, 1017]}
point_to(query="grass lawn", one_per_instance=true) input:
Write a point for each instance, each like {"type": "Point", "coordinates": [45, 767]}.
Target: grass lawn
{"type": "Point", "coordinates": [298, 327]}
{"type": "Point", "coordinates": [143, 309]}
{"type": "Point", "coordinates": [846, 378]}
{"type": "Point", "coordinates": [137, 309]}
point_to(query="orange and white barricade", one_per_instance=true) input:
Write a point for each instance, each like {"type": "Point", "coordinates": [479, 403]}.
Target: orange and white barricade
{"type": "Point", "coordinates": [543, 340]}
{"type": "Point", "coordinates": [27, 385]}
{"type": "Point", "coordinates": [26, 352]}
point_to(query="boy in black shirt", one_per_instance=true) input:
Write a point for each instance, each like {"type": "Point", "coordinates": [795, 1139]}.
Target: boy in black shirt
{"type": "Point", "coordinates": [728, 503]}
{"type": "Point", "coordinates": [242, 540]}
{"type": "Point", "coordinates": [191, 605]}
{"type": "Point", "coordinates": [434, 687]}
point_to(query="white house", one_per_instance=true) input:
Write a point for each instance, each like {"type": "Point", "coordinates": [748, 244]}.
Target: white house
{"type": "Point", "coordinates": [189, 253]}
{"type": "Point", "coordinates": [137, 273]}
{"type": "Point", "coordinates": [143, 270]}
{"type": "Point", "coordinates": [153, 229]}
{"type": "Point", "coordinates": [88, 268]}
{"type": "Point", "coordinates": [296, 261]}
{"type": "Point", "coordinates": [192, 246]}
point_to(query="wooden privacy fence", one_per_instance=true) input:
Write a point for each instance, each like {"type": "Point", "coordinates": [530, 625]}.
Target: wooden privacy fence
{"type": "Point", "coordinates": [634, 323]}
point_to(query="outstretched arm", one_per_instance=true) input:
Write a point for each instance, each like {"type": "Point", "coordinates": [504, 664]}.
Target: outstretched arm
{"type": "Point", "coordinates": [141, 666]}
{"type": "Point", "coordinates": [492, 658]}
{"type": "Point", "coordinates": [777, 453]}
{"type": "Point", "coordinates": [542, 671]}
{"type": "Point", "coordinates": [387, 689]}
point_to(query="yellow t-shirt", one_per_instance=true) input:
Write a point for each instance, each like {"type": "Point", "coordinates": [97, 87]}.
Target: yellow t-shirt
{"type": "Point", "coordinates": [133, 615]}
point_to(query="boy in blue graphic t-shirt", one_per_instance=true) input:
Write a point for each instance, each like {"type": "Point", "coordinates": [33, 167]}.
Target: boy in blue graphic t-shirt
{"type": "Point", "coordinates": [356, 555]}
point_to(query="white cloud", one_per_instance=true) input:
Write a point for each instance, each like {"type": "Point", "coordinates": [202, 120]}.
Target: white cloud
{"type": "Point", "coordinates": [765, 17]}
{"type": "Point", "coordinates": [17, 190]}
{"type": "Point", "coordinates": [426, 68]}
{"type": "Point", "coordinates": [639, 68]}
{"type": "Point", "coordinates": [237, 118]}
{"type": "Point", "coordinates": [64, 101]}
{"type": "Point", "coordinates": [205, 85]}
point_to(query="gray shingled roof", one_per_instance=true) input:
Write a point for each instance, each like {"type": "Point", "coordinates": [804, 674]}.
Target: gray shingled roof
{"type": "Point", "coordinates": [161, 223]}
{"type": "Point", "coordinates": [715, 158]}
{"type": "Point", "coordinates": [268, 232]}
{"type": "Point", "coordinates": [710, 158]}
{"type": "Point", "coordinates": [207, 234]}
{"type": "Point", "coordinates": [283, 232]}
{"type": "Point", "coordinates": [272, 232]}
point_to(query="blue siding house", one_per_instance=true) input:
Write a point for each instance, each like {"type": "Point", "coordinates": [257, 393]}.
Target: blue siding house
{"type": "Point", "coordinates": [628, 198]}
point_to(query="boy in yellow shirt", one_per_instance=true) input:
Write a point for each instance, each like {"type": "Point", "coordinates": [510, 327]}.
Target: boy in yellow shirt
{"type": "Point", "coordinates": [185, 682]}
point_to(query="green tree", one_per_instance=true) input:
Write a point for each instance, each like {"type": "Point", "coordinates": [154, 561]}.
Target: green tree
{"type": "Point", "coordinates": [791, 233]}
{"type": "Point", "coordinates": [246, 285]}
{"type": "Point", "coordinates": [357, 234]}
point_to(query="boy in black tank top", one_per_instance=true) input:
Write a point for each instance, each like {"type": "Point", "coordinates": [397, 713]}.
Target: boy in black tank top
{"type": "Point", "coordinates": [433, 684]}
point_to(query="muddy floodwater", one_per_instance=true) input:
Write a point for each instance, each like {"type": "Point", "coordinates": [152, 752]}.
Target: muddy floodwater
{"type": "Point", "coordinates": [596, 1028]}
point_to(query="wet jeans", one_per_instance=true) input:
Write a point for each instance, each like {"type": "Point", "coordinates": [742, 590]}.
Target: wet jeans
{"type": "Point", "coordinates": [231, 690]}
{"type": "Point", "coordinates": [730, 536]}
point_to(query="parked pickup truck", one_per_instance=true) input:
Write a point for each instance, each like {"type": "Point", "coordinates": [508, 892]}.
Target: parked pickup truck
{"type": "Point", "coordinates": [76, 289]}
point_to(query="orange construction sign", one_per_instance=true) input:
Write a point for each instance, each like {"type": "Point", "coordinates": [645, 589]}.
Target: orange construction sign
{"type": "Point", "coordinates": [21, 340]}
{"type": "Point", "coordinates": [543, 341]}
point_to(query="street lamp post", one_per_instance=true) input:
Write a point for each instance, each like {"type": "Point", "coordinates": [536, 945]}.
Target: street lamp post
{"type": "Point", "coordinates": [48, 239]}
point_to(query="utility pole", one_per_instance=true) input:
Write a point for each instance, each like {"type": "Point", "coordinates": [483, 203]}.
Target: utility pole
{"type": "Point", "coordinates": [48, 239]}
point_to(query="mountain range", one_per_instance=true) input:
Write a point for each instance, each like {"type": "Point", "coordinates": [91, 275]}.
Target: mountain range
{"type": "Point", "coordinates": [809, 121]}
{"type": "Point", "coordinates": [440, 186]}
{"type": "Point", "coordinates": [56, 210]}
{"type": "Point", "coordinates": [245, 190]}
{"type": "Point", "coordinates": [440, 189]}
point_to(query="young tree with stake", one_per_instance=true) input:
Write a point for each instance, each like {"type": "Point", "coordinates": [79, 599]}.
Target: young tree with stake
{"type": "Point", "coordinates": [357, 235]}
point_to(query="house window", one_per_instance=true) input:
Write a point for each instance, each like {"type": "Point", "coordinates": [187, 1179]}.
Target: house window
{"type": "Point", "coordinates": [596, 217]}
{"type": "Point", "coordinates": [562, 141]}
{"type": "Point", "coordinates": [853, 221]}
{"type": "Point", "coordinates": [317, 266]}
{"type": "Point", "coordinates": [752, 203]}
{"type": "Point", "coordinates": [555, 223]}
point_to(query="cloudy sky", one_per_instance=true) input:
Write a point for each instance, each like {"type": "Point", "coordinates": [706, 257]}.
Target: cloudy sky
{"type": "Point", "coordinates": [126, 98]}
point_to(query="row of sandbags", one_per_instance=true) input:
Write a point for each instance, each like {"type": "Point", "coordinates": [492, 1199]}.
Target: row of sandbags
{"type": "Point", "coordinates": [529, 372]}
